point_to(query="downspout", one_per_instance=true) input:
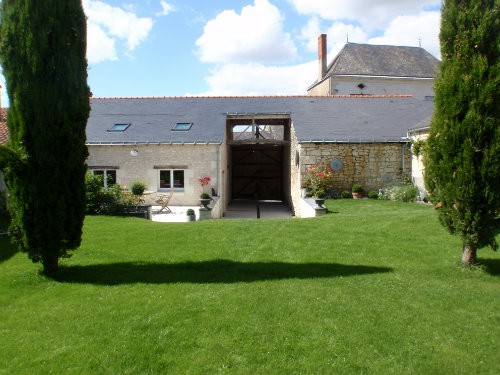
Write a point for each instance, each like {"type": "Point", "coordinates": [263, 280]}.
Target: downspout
{"type": "Point", "coordinates": [217, 169]}
{"type": "Point", "coordinates": [403, 159]}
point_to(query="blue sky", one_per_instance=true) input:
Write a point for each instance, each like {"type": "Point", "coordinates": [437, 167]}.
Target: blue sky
{"type": "Point", "coordinates": [236, 47]}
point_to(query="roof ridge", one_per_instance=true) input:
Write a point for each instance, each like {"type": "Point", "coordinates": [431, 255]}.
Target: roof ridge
{"type": "Point", "coordinates": [254, 96]}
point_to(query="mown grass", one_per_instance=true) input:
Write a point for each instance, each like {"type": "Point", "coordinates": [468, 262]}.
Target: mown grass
{"type": "Point", "coordinates": [373, 287]}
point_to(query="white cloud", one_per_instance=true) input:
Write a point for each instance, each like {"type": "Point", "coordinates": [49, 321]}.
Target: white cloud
{"type": "Point", "coordinates": [309, 34]}
{"type": "Point", "coordinates": [258, 79]}
{"type": "Point", "coordinates": [371, 14]}
{"type": "Point", "coordinates": [106, 24]}
{"type": "Point", "coordinates": [405, 31]}
{"type": "Point", "coordinates": [255, 35]}
{"type": "Point", "coordinates": [100, 46]}
{"type": "Point", "coordinates": [166, 9]}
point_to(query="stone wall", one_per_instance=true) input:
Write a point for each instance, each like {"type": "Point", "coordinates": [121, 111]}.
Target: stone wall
{"type": "Point", "coordinates": [195, 160]}
{"type": "Point", "coordinates": [373, 165]}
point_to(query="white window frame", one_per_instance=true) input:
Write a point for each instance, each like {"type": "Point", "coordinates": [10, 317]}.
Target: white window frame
{"type": "Point", "coordinates": [171, 171]}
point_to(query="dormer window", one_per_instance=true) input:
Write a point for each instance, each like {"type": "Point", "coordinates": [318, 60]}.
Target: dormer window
{"type": "Point", "coordinates": [119, 128]}
{"type": "Point", "coordinates": [182, 126]}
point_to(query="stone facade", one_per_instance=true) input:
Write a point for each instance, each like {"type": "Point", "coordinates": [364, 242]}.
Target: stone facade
{"type": "Point", "coordinates": [195, 160]}
{"type": "Point", "coordinates": [373, 165]}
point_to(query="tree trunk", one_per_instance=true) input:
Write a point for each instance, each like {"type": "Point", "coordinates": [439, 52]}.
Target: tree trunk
{"type": "Point", "coordinates": [50, 266]}
{"type": "Point", "coordinates": [469, 255]}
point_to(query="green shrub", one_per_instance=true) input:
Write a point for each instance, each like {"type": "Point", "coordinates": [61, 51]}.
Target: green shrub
{"type": "Point", "coordinates": [190, 212]}
{"type": "Point", "coordinates": [101, 200]}
{"type": "Point", "coordinates": [357, 188]}
{"type": "Point", "coordinates": [345, 194]}
{"type": "Point", "coordinates": [403, 193]}
{"type": "Point", "coordinates": [205, 196]}
{"type": "Point", "coordinates": [137, 188]}
{"type": "Point", "coordinates": [373, 194]}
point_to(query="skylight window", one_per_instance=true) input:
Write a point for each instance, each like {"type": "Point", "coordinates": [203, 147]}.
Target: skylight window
{"type": "Point", "coordinates": [119, 128]}
{"type": "Point", "coordinates": [182, 126]}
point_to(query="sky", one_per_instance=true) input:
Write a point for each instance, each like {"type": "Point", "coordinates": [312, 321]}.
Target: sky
{"type": "Point", "coordinates": [145, 48]}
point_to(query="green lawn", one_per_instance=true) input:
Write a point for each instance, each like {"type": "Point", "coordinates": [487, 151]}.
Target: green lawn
{"type": "Point", "coordinates": [374, 287]}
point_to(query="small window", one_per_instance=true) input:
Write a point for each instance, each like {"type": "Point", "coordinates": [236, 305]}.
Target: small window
{"type": "Point", "coordinates": [108, 177]}
{"type": "Point", "coordinates": [182, 126]}
{"type": "Point", "coordinates": [170, 178]}
{"type": "Point", "coordinates": [119, 128]}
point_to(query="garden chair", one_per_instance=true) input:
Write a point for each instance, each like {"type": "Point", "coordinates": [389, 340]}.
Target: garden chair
{"type": "Point", "coordinates": [163, 202]}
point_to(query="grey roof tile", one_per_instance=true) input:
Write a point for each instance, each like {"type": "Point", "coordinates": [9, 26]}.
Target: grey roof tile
{"type": "Point", "coordinates": [314, 118]}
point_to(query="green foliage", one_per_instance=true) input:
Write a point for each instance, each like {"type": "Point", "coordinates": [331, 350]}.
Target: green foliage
{"type": "Point", "coordinates": [42, 52]}
{"type": "Point", "coordinates": [190, 212]}
{"type": "Point", "coordinates": [205, 196]}
{"type": "Point", "coordinates": [373, 194]}
{"type": "Point", "coordinates": [463, 149]}
{"type": "Point", "coordinates": [137, 188]}
{"type": "Point", "coordinates": [402, 193]}
{"type": "Point", "coordinates": [101, 200]}
{"type": "Point", "coordinates": [418, 147]}
{"type": "Point", "coordinates": [345, 194]}
{"type": "Point", "coordinates": [357, 188]}
{"type": "Point", "coordinates": [319, 193]}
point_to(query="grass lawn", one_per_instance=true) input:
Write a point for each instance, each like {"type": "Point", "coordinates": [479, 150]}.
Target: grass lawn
{"type": "Point", "coordinates": [374, 287]}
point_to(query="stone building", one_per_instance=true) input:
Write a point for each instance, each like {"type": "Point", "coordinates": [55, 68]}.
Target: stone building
{"type": "Point", "coordinates": [364, 69]}
{"type": "Point", "coordinates": [251, 147]}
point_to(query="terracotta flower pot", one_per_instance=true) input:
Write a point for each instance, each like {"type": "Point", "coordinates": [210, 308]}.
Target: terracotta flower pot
{"type": "Point", "coordinates": [357, 195]}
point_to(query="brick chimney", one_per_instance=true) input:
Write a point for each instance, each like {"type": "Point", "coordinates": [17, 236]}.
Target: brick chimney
{"type": "Point", "coordinates": [321, 56]}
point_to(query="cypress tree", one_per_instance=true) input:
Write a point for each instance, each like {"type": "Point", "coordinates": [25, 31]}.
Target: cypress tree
{"type": "Point", "coordinates": [43, 48]}
{"type": "Point", "coordinates": [462, 158]}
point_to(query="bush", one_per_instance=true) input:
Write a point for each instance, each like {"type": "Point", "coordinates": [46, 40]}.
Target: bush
{"type": "Point", "coordinates": [205, 196]}
{"type": "Point", "coordinates": [403, 193]}
{"type": "Point", "coordinates": [190, 212]}
{"type": "Point", "coordinates": [373, 194]}
{"type": "Point", "coordinates": [137, 188]}
{"type": "Point", "coordinates": [101, 200]}
{"type": "Point", "coordinates": [345, 194]}
{"type": "Point", "coordinates": [357, 188]}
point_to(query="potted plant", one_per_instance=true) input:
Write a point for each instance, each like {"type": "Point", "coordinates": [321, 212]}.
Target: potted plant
{"type": "Point", "coordinates": [357, 191]}
{"type": "Point", "coordinates": [205, 198]}
{"type": "Point", "coordinates": [345, 194]}
{"type": "Point", "coordinates": [319, 197]}
{"type": "Point", "coordinates": [190, 215]}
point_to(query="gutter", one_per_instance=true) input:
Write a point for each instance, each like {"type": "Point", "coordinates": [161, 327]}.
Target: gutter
{"type": "Point", "coordinates": [152, 143]}
{"type": "Point", "coordinates": [354, 140]}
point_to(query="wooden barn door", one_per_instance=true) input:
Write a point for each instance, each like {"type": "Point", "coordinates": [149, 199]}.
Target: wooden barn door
{"type": "Point", "coordinates": [257, 172]}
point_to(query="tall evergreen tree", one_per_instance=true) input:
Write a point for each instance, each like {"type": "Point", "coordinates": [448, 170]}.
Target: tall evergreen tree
{"type": "Point", "coordinates": [43, 47]}
{"type": "Point", "coordinates": [462, 159]}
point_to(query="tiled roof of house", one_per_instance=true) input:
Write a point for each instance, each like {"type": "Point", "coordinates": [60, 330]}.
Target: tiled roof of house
{"type": "Point", "coordinates": [4, 131]}
{"type": "Point", "coordinates": [315, 118]}
{"type": "Point", "coordinates": [388, 61]}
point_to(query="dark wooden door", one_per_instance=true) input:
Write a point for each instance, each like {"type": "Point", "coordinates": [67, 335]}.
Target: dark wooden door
{"type": "Point", "coordinates": [257, 172]}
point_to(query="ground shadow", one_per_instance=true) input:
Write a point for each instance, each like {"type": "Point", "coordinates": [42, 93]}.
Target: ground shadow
{"type": "Point", "coordinates": [213, 271]}
{"type": "Point", "coordinates": [492, 266]}
{"type": "Point", "coordinates": [7, 249]}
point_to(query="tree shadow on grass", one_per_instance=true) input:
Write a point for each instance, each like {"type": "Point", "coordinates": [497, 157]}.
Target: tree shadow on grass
{"type": "Point", "coordinates": [205, 272]}
{"type": "Point", "coordinates": [7, 249]}
{"type": "Point", "coordinates": [492, 266]}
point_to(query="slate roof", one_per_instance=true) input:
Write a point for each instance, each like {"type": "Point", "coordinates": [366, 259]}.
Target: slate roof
{"type": "Point", "coordinates": [315, 118]}
{"type": "Point", "coordinates": [375, 60]}
{"type": "Point", "coordinates": [4, 131]}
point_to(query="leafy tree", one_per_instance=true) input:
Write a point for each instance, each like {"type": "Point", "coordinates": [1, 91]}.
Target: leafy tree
{"type": "Point", "coordinates": [462, 158]}
{"type": "Point", "coordinates": [43, 47]}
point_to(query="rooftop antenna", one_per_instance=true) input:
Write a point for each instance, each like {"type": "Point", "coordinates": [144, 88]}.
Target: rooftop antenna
{"type": "Point", "coordinates": [419, 43]}
{"type": "Point", "coordinates": [347, 36]}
